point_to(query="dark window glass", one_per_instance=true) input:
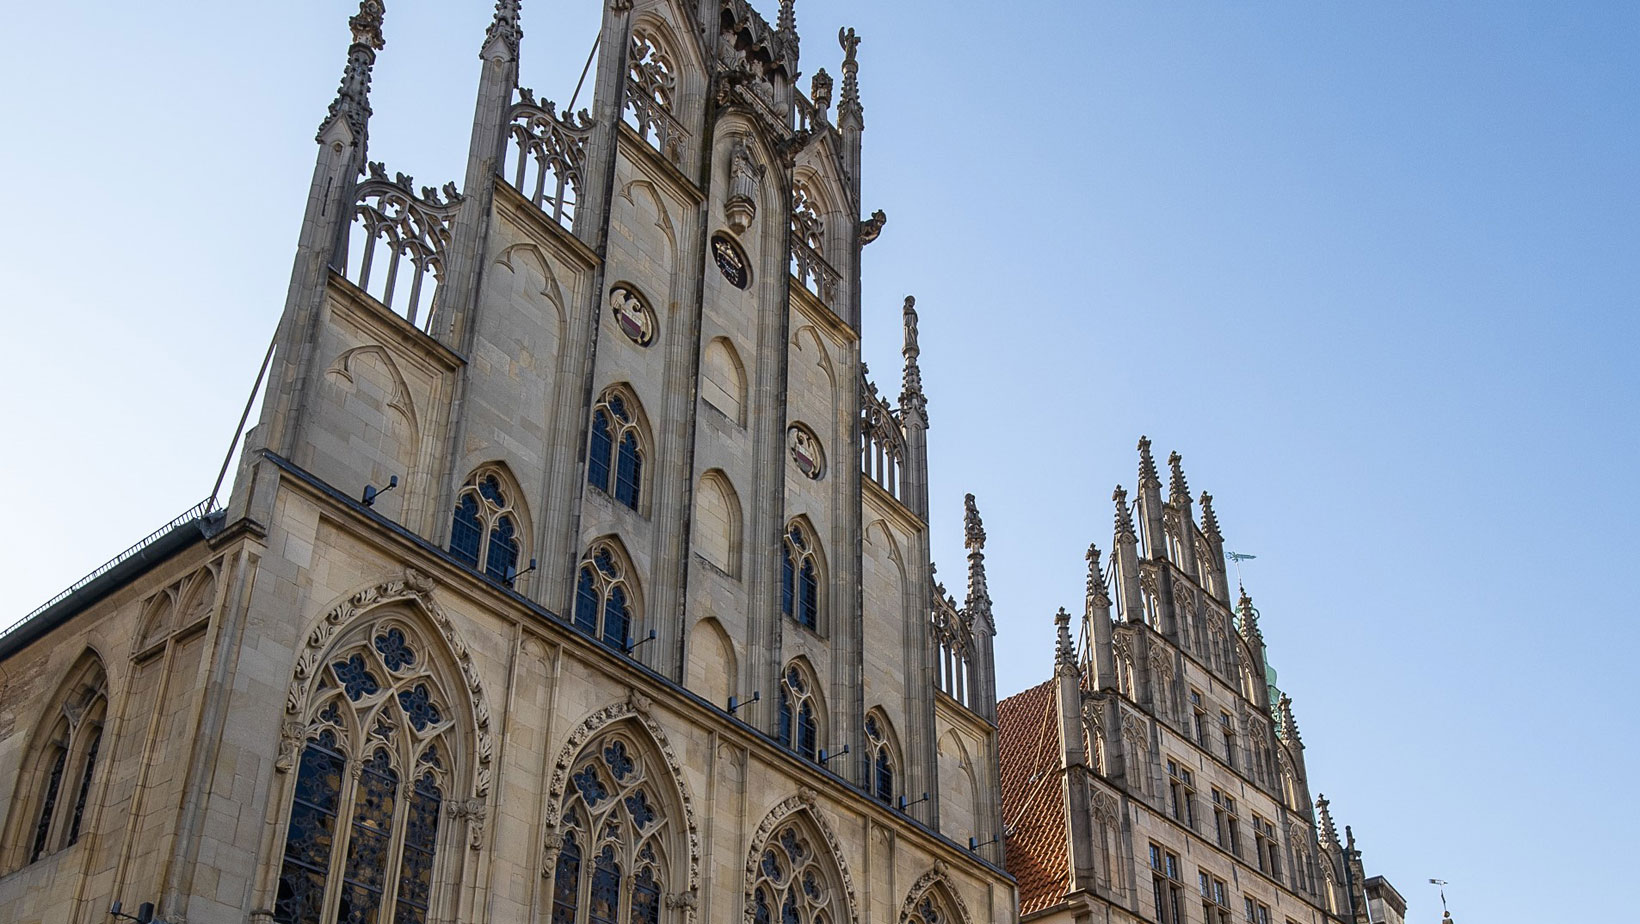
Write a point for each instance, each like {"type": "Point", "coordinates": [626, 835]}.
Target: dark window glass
{"type": "Point", "coordinates": [646, 898]}
{"type": "Point", "coordinates": [807, 732]}
{"type": "Point", "coordinates": [598, 453]}
{"type": "Point", "coordinates": [311, 834]}
{"type": "Point", "coordinates": [629, 467]}
{"type": "Point", "coordinates": [465, 532]}
{"type": "Point", "coordinates": [586, 601]}
{"type": "Point", "coordinates": [85, 787]}
{"type": "Point", "coordinates": [566, 881]}
{"type": "Point", "coordinates": [368, 842]}
{"type": "Point", "coordinates": [606, 887]}
{"type": "Point", "coordinates": [809, 593]}
{"type": "Point", "coordinates": [788, 583]}
{"type": "Point", "coordinates": [490, 487]}
{"type": "Point", "coordinates": [48, 805]}
{"type": "Point", "coordinates": [885, 776]}
{"type": "Point", "coordinates": [615, 618]}
{"type": "Point", "coordinates": [503, 552]}
{"type": "Point", "coordinates": [420, 836]}
{"type": "Point", "coordinates": [785, 718]}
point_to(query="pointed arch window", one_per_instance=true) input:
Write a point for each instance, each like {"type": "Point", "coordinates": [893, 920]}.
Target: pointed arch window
{"type": "Point", "coordinates": [800, 576]}
{"type": "Point", "coordinates": [484, 532]}
{"type": "Point", "coordinates": [375, 766]}
{"type": "Point", "coordinates": [930, 910]}
{"type": "Point", "coordinates": [881, 763]}
{"type": "Point", "coordinates": [55, 787]}
{"type": "Point", "coordinates": [615, 455]}
{"type": "Point", "coordinates": [613, 854]}
{"type": "Point", "coordinates": [799, 712]}
{"type": "Point", "coordinates": [604, 598]}
{"type": "Point", "coordinates": [795, 881]}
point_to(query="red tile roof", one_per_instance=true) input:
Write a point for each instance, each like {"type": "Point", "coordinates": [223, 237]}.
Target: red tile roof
{"type": "Point", "coordinates": [1033, 796]}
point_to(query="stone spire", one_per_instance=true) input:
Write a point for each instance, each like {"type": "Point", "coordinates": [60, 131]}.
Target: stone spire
{"type": "Point", "coordinates": [848, 107]}
{"type": "Point", "coordinates": [1177, 488]}
{"type": "Point", "coordinates": [1210, 520]}
{"type": "Point", "coordinates": [352, 102]}
{"type": "Point", "coordinates": [786, 23]}
{"type": "Point", "coordinates": [973, 538]}
{"type": "Point", "coordinates": [1147, 465]}
{"type": "Point", "coordinates": [1064, 651]}
{"type": "Point", "coordinates": [1124, 516]}
{"type": "Point", "coordinates": [911, 394]}
{"type": "Point", "coordinates": [505, 26]}
{"type": "Point", "coordinates": [1249, 618]}
{"type": "Point", "coordinates": [1329, 831]}
{"type": "Point", "coordinates": [1096, 579]}
{"type": "Point", "coordinates": [1289, 726]}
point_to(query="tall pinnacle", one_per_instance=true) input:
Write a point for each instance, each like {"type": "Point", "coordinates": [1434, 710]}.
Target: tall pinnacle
{"type": "Point", "coordinates": [1124, 516]}
{"type": "Point", "coordinates": [973, 538]}
{"type": "Point", "coordinates": [352, 100]}
{"type": "Point", "coordinates": [786, 24]}
{"type": "Point", "coordinates": [1249, 617]}
{"type": "Point", "coordinates": [1147, 465]}
{"type": "Point", "coordinates": [1329, 832]}
{"type": "Point", "coordinates": [911, 394]}
{"type": "Point", "coordinates": [505, 26]}
{"type": "Point", "coordinates": [849, 104]}
{"type": "Point", "coordinates": [1096, 579]}
{"type": "Point", "coordinates": [1289, 726]}
{"type": "Point", "coordinates": [1064, 651]}
{"type": "Point", "coordinates": [1210, 520]}
{"type": "Point", "coordinates": [1177, 489]}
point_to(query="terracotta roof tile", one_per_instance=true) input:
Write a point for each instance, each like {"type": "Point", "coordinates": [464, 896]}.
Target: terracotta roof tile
{"type": "Point", "coordinates": [1033, 796]}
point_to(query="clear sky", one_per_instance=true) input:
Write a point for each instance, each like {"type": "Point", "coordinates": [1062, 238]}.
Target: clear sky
{"type": "Point", "coordinates": [1371, 268]}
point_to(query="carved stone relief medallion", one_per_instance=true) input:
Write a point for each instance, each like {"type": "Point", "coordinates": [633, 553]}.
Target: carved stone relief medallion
{"type": "Point", "coordinates": [731, 261]}
{"type": "Point", "coordinates": [805, 451]}
{"type": "Point", "coordinates": [632, 315]}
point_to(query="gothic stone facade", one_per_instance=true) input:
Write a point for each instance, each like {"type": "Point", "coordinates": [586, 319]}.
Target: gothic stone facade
{"type": "Point", "coordinates": [1159, 776]}
{"type": "Point", "coordinates": [641, 625]}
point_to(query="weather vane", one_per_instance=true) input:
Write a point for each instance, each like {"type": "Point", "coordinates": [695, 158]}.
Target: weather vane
{"type": "Point", "coordinates": [1441, 884]}
{"type": "Point", "coordinates": [1238, 558]}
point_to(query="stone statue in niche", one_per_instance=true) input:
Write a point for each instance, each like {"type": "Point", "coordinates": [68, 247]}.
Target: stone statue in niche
{"type": "Point", "coordinates": [744, 176]}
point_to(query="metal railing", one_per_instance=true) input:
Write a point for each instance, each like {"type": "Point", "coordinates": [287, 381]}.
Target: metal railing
{"type": "Point", "coordinates": [193, 513]}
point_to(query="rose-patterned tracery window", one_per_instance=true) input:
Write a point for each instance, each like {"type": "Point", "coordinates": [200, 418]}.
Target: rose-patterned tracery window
{"type": "Point", "coordinates": [799, 712]}
{"type": "Point", "coordinates": [604, 600]}
{"type": "Point", "coordinates": [484, 531]}
{"type": "Point", "coordinates": [612, 855]}
{"type": "Point", "coordinates": [800, 576]}
{"type": "Point", "coordinates": [794, 881]}
{"type": "Point", "coordinates": [374, 773]}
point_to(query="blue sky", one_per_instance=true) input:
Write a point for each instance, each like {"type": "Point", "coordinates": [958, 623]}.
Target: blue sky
{"type": "Point", "coordinates": [1371, 268]}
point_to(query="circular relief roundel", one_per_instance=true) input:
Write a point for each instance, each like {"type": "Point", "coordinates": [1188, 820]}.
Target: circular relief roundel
{"type": "Point", "coordinates": [632, 315]}
{"type": "Point", "coordinates": [805, 451]}
{"type": "Point", "coordinates": [731, 261]}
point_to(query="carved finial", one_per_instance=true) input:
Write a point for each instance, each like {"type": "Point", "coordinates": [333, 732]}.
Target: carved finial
{"type": "Point", "coordinates": [820, 91]}
{"type": "Point", "coordinates": [1064, 651]}
{"type": "Point", "coordinates": [1248, 616]}
{"type": "Point", "coordinates": [505, 26]}
{"type": "Point", "coordinates": [911, 394]}
{"type": "Point", "coordinates": [1210, 520]}
{"type": "Point", "coordinates": [973, 538]}
{"type": "Point", "coordinates": [786, 22]}
{"type": "Point", "coordinates": [873, 226]}
{"type": "Point", "coordinates": [1096, 579]}
{"type": "Point", "coordinates": [352, 100]}
{"type": "Point", "coordinates": [849, 104]}
{"type": "Point", "coordinates": [1147, 466]}
{"type": "Point", "coordinates": [1289, 726]}
{"type": "Point", "coordinates": [1177, 488]}
{"type": "Point", "coordinates": [1124, 516]}
{"type": "Point", "coordinates": [1329, 833]}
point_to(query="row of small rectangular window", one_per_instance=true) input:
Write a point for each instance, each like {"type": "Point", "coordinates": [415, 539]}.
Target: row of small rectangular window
{"type": "Point", "coordinates": [1182, 806]}
{"type": "Point", "coordinates": [1167, 891]}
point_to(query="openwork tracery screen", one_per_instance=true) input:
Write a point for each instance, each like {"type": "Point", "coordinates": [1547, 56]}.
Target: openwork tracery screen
{"type": "Point", "coordinates": [612, 856]}
{"type": "Point", "coordinates": [793, 885]}
{"type": "Point", "coordinates": [377, 762]}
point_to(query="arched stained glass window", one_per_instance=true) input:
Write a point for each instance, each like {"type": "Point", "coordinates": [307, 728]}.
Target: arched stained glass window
{"type": "Point", "coordinates": [800, 576]}
{"type": "Point", "coordinates": [484, 531]}
{"type": "Point", "coordinates": [880, 759]}
{"type": "Point", "coordinates": [61, 767]}
{"type": "Point", "coordinates": [604, 599]}
{"type": "Point", "coordinates": [930, 909]}
{"type": "Point", "coordinates": [616, 448]}
{"type": "Point", "coordinates": [362, 840]}
{"type": "Point", "coordinates": [615, 802]}
{"type": "Point", "coordinates": [799, 727]}
{"type": "Point", "coordinates": [795, 880]}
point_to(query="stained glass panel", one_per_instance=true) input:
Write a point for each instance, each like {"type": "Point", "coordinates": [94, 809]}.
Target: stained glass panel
{"type": "Point", "coordinates": [788, 583]}
{"type": "Point", "coordinates": [605, 895]}
{"type": "Point", "coordinates": [646, 898]}
{"type": "Point", "coordinates": [502, 556]}
{"type": "Point", "coordinates": [592, 788]}
{"type": "Point", "coordinates": [586, 601]}
{"type": "Point", "coordinates": [465, 530]}
{"type": "Point", "coordinates": [48, 805]}
{"type": "Point", "coordinates": [395, 651]}
{"type": "Point", "coordinates": [598, 453]}
{"type": "Point", "coordinates": [490, 487]}
{"type": "Point", "coordinates": [809, 595]}
{"type": "Point", "coordinates": [85, 787]}
{"type": "Point", "coordinates": [419, 708]}
{"type": "Point", "coordinates": [637, 805]}
{"type": "Point", "coordinates": [616, 620]}
{"type": "Point", "coordinates": [369, 841]}
{"type": "Point", "coordinates": [357, 681]}
{"type": "Point", "coordinates": [311, 834]}
{"type": "Point", "coordinates": [807, 732]}
{"type": "Point", "coordinates": [566, 881]}
{"type": "Point", "coordinates": [785, 733]}
{"type": "Point", "coordinates": [628, 469]}
{"type": "Point", "coordinates": [420, 837]}
{"type": "Point", "coordinates": [615, 757]}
